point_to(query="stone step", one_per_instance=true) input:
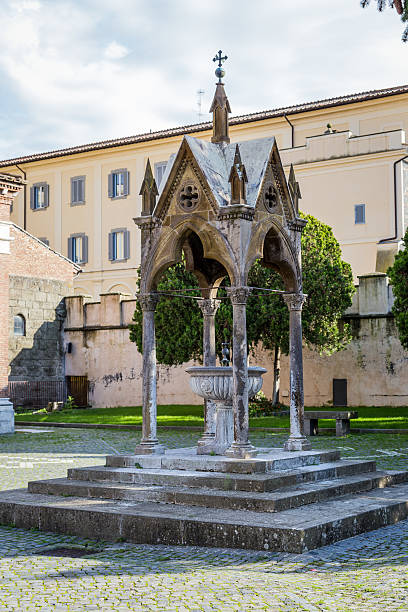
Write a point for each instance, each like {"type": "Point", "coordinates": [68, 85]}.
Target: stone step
{"type": "Point", "coordinates": [222, 481]}
{"type": "Point", "coordinates": [267, 460]}
{"type": "Point", "coordinates": [277, 501]}
{"type": "Point", "coordinates": [295, 530]}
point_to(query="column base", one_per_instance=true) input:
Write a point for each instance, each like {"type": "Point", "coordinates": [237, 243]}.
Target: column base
{"type": "Point", "coordinates": [149, 448]}
{"type": "Point", "coordinates": [205, 444]}
{"type": "Point", "coordinates": [300, 443]}
{"type": "Point", "coordinates": [241, 451]}
{"type": "Point", "coordinates": [6, 416]}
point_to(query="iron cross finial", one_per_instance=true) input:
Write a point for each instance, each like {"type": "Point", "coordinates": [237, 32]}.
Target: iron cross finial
{"type": "Point", "coordinates": [220, 72]}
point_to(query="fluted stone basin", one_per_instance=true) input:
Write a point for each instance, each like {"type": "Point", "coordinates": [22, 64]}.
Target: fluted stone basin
{"type": "Point", "coordinates": [215, 384]}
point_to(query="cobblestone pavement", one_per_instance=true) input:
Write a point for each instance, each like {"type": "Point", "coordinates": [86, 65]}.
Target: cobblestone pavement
{"type": "Point", "coordinates": [368, 572]}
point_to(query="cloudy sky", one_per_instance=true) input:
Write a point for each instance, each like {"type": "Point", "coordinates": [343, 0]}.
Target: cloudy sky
{"type": "Point", "coordinates": [78, 71]}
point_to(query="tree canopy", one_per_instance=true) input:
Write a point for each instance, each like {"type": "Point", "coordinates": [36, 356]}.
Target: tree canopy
{"type": "Point", "coordinates": [398, 274]}
{"type": "Point", "coordinates": [401, 6]}
{"type": "Point", "coordinates": [327, 280]}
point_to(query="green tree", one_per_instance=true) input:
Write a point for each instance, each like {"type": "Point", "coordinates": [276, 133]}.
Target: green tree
{"type": "Point", "coordinates": [401, 6]}
{"type": "Point", "coordinates": [326, 279]}
{"type": "Point", "coordinates": [398, 274]}
{"type": "Point", "coordinates": [179, 322]}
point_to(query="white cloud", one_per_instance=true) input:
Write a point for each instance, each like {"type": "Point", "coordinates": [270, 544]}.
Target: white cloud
{"type": "Point", "coordinates": [25, 5]}
{"type": "Point", "coordinates": [64, 86]}
{"type": "Point", "coordinates": [115, 51]}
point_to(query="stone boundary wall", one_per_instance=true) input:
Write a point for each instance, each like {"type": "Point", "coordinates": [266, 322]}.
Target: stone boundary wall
{"type": "Point", "coordinates": [374, 364]}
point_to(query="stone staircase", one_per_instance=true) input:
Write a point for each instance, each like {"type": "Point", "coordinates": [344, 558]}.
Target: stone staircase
{"type": "Point", "coordinates": [277, 501]}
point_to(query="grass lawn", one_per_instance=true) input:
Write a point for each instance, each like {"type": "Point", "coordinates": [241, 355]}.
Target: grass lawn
{"type": "Point", "coordinates": [371, 417]}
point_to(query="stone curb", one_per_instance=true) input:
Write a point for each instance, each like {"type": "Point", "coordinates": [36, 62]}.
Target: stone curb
{"type": "Point", "coordinates": [192, 427]}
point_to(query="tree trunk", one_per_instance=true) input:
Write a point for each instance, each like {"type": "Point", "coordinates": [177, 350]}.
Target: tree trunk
{"type": "Point", "coordinates": [276, 376]}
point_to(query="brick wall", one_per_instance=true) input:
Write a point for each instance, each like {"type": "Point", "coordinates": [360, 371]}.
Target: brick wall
{"type": "Point", "coordinates": [30, 257]}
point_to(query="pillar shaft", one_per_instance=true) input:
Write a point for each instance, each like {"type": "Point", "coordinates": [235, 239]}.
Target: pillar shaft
{"type": "Point", "coordinates": [297, 439]}
{"type": "Point", "coordinates": [149, 443]}
{"type": "Point", "coordinates": [241, 447]}
{"type": "Point", "coordinates": [209, 308]}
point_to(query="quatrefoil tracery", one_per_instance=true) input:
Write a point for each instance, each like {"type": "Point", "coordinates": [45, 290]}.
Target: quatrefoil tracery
{"type": "Point", "coordinates": [270, 197]}
{"type": "Point", "coordinates": [189, 196]}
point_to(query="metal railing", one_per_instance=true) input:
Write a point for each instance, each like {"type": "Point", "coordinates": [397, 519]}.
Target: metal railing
{"type": "Point", "coordinates": [35, 394]}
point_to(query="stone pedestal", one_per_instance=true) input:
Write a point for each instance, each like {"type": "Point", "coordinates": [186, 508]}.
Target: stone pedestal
{"type": "Point", "coordinates": [216, 384]}
{"type": "Point", "coordinates": [6, 416]}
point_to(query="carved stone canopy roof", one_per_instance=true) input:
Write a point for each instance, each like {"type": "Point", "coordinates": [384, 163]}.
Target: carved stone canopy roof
{"type": "Point", "coordinates": [215, 161]}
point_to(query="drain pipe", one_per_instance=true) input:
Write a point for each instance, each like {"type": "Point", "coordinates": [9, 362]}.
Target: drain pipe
{"type": "Point", "coordinates": [25, 196]}
{"type": "Point", "coordinates": [395, 202]}
{"type": "Point", "coordinates": [292, 130]}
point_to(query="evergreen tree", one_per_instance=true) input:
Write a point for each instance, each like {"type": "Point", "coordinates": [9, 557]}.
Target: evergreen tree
{"type": "Point", "coordinates": [401, 6]}
{"type": "Point", "coordinates": [327, 280]}
{"type": "Point", "coordinates": [398, 274]}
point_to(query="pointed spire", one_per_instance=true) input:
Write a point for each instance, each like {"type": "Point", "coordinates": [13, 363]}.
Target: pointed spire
{"type": "Point", "coordinates": [220, 107]}
{"type": "Point", "coordinates": [294, 188]}
{"type": "Point", "coordinates": [237, 179]}
{"type": "Point", "coordinates": [148, 191]}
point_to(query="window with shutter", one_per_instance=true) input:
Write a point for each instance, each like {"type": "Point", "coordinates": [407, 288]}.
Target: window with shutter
{"type": "Point", "coordinates": [77, 190]}
{"type": "Point", "coordinates": [78, 248]}
{"type": "Point", "coordinates": [39, 196]}
{"type": "Point", "coordinates": [359, 213]}
{"type": "Point", "coordinates": [119, 245]}
{"type": "Point", "coordinates": [118, 183]}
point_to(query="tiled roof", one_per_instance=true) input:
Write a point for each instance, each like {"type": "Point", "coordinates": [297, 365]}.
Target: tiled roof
{"type": "Point", "coordinates": [200, 127]}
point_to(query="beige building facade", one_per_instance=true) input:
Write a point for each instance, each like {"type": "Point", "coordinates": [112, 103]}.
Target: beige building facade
{"type": "Point", "coordinates": [352, 175]}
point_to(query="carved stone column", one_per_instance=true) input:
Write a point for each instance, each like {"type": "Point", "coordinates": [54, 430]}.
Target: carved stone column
{"type": "Point", "coordinates": [241, 447]}
{"type": "Point", "coordinates": [209, 308]}
{"type": "Point", "coordinates": [297, 440]}
{"type": "Point", "coordinates": [149, 443]}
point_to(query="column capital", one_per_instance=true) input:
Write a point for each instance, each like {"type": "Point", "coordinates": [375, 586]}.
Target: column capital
{"type": "Point", "coordinates": [238, 295]}
{"type": "Point", "coordinates": [208, 306]}
{"type": "Point", "coordinates": [148, 301]}
{"type": "Point", "coordinates": [294, 301]}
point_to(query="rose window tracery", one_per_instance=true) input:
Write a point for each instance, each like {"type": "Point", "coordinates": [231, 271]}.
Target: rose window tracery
{"type": "Point", "coordinates": [189, 196]}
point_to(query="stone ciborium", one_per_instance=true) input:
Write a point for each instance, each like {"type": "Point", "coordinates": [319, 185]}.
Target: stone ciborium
{"type": "Point", "coordinates": [215, 384]}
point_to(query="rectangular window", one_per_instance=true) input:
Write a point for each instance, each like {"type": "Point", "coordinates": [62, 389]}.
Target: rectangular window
{"type": "Point", "coordinates": [39, 196]}
{"type": "Point", "coordinates": [118, 183]}
{"type": "Point", "coordinates": [159, 170]}
{"type": "Point", "coordinates": [78, 190]}
{"type": "Point", "coordinates": [119, 245]}
{"type": "Point", "coordinates": [359, 213]}
{"type": "Point", "coordinates": [78, 248]}
{"type": "Point", "coordinates": [45, 241]}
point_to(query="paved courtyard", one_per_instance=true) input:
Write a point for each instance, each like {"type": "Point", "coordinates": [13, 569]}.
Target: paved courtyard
{"type": "Point", "coordinates": [368, 572]}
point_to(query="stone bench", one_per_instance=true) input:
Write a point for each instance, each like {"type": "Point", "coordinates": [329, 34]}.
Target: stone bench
{"type": "Point", "coordinates": [342, 421]}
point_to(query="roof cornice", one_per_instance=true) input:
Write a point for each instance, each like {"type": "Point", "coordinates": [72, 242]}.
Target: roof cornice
{"type": "Point", "coordinates": [201, 127]}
